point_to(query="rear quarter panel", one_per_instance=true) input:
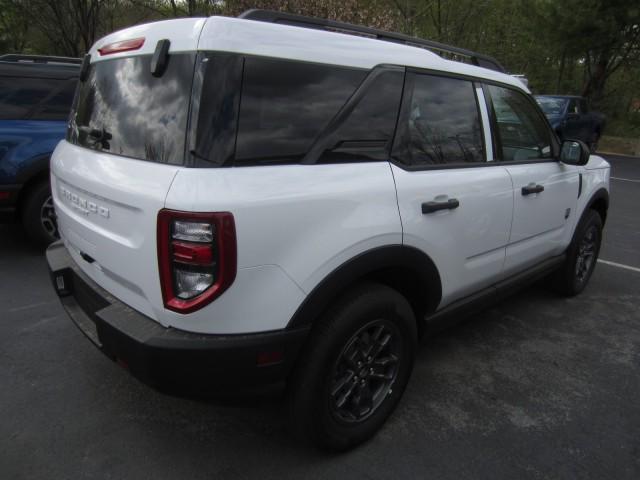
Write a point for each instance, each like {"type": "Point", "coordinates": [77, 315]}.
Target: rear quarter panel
{"type": "Point", "coordinates": [295, 224]}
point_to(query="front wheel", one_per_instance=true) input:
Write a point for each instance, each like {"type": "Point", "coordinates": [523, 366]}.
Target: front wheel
{"type": "Point", "coordinates": [355, 369]}
{"type": "Point", "coordinates": [582, 256]}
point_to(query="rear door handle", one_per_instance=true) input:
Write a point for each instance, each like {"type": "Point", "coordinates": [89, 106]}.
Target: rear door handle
{"type": "Point", "coordinates": [430, 207]}
{"type": "Point", "coordinates": [532, 188]}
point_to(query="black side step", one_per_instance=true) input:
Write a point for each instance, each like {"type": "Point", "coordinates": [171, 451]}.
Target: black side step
{"type": "Point", "coordinates": [463, 308]}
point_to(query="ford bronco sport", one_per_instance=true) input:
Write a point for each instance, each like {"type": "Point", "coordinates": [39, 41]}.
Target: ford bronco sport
{"type": "Point", "coordinates": [258, 200]}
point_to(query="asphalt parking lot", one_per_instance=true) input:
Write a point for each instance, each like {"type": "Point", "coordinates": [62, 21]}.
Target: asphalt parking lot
{"type": "Point", "coordinates": [536, 387]}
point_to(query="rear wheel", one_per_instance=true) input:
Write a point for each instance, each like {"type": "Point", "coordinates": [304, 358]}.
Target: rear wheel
{"type": "Point", "coordinates": [355, 369]}
{"type": "Point", "coordinates": [38, 214]}
{"type": "Point", "coordinates": [582, 256]}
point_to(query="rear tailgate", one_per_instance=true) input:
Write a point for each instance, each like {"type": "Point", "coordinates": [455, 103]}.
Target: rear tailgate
{"type": "Point", "coordinates": [125, 144]}
{"type": "Point", "coordinates": [107, 208]}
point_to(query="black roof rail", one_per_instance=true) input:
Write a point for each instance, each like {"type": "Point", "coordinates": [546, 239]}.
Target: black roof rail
{"type": "Point", "coordinates": [453, 53]}
{"type": "Point", "coordinates": [39, 59]}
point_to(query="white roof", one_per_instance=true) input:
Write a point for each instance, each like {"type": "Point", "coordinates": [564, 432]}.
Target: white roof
{"type": "Point", "coordinates": [284, 41]}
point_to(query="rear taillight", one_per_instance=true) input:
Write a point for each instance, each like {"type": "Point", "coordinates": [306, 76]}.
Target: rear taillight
{"type": "Point", "coordinates": [196, 256]}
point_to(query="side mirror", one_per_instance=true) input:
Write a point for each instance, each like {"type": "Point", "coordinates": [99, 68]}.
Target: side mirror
{"type": "Point", "coordinates": [574, 152]}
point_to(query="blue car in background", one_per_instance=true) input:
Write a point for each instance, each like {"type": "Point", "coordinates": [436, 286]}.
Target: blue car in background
{"type": "Point", "coordinates": [571, 118]}
{"type": "Point", "coordinates": [36, 94]}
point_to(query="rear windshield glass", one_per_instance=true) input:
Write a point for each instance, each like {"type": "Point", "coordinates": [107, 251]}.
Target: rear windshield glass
{"type": "Point", "coordinates": [123, 109]}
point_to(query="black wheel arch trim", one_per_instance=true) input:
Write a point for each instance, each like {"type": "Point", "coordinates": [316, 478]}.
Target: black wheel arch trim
{"type": "Point", "coordinates": [601, 195]}
{"type": "Point", "coordinates": [365, 266]}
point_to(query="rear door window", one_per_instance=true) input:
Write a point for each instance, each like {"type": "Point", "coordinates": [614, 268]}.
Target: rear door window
{"type": "Point", "coordinates": [367, 132]}
{"type": "Point", "coordinates": [439, 123]}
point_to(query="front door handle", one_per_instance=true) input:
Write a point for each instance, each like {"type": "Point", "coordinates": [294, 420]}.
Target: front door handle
{"type": "Point", "coordinates": [532, 188]}
{"type": "Point", "coordinates": [430, 207]}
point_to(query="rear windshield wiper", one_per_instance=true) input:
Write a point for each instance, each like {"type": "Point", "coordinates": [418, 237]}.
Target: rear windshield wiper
{"type": "Point", "coordinates": [98, 135]}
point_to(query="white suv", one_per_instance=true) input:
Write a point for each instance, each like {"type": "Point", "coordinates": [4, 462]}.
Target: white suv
{"type": "Point", "coordinates": [247, 201]}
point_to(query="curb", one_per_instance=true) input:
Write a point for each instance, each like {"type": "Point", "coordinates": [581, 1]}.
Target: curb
{"type": "Point", "coordinates": [598, 152]}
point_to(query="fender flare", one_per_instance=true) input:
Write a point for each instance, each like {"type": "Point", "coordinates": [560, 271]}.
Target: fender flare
{"type": "Point", "coordinates": [377, 261]}
{"type": "Point", "coordinates": [601, 196]}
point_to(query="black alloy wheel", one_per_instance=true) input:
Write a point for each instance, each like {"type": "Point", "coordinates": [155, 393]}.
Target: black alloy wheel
{"type": "Point", "coordinates": [365, 371]}
{"type": "Point", "coordinates": [586, 253]}
{"type": "Point", "coordinates": [354, 367]}
{"type": "Point", "coordinates": [582, 255]}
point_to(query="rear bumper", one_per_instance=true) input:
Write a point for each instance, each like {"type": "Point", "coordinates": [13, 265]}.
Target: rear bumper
{"type": "Point", "coordinates": [167, 357]}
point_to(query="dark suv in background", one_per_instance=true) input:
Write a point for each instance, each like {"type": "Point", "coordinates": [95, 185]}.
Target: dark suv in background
{"type": "Point", "coordinates": [35, 99]}
{"type": "Point", "coordinates": [571, 118]}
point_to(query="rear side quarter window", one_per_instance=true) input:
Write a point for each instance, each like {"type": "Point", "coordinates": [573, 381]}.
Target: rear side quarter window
{"type": "Point", "coordinates": [285, 105]}
{"type": "Point", "coordinates": [266, 111]}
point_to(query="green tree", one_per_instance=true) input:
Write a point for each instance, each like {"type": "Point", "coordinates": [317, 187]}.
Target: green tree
{"type": "Point", "coordinates": [14, 28]}
{"type": "Point", "coordinates": [602, 35]}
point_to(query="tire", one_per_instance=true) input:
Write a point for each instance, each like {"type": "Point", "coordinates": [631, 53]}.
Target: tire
{"type": "Point", "coordinates": [582, 256]}
{"type": "Point", "coordinates": [38, 215]}
{"type": "Point", "coordinates": [367, 311]}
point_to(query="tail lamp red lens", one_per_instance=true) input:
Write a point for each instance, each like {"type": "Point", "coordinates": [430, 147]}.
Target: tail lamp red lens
{"type": "Point", "coordinates": [122, 46]}
{"type": "Point", "coordinates": [197, 257]}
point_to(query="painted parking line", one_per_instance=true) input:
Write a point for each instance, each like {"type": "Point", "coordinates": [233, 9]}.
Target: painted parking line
{"type": "Point", "coordinates": [619, 265]}
{"type": "Point", "coordinates": [28, 307]}
{"type": "Point", "coordinates": [625, 179]}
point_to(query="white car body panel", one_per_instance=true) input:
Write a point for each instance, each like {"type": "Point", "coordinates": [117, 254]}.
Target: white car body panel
{"type": "Point", "coordinates": [334, 219]}
{"type": "Point", "coordinates": [540, 220]}
{"type": "Point", "coordinates": [123, 242]}
{"type": "Point", "coordinates": [283, 41]}
{"type": "Point", "coordinates": [466, 244]}
{"type": "Point", "coordinates": [183, 33]}
{"type": "Point", "coordinates": [311, 45]}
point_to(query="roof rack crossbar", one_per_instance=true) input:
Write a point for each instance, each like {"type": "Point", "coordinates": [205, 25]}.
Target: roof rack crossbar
{"type": "Point", "coordinates": [16, 57]}
{"type": "Point", "coordinates": [269, 16]}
